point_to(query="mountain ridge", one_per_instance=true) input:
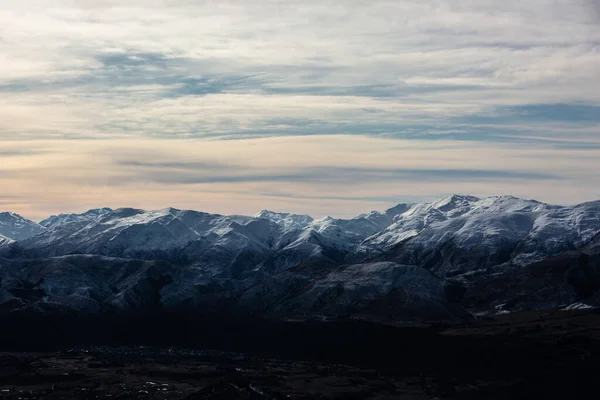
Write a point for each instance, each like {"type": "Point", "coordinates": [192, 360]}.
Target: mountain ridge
{"type": "Point", "coordinates": [290, 265]}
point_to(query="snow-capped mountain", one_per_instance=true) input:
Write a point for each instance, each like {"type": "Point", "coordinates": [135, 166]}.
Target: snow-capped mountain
{"type": "Point", "coordinates": [490, 232]}
{"type": "Point", "coordinates": [14, 226]}
{"type": "Point", "coordinates": [128, 232]}
{"type": "Point", "coordinates": [82, 219]}
{"type": "Point", "coordinates": [287, 221]}
{"type": "Point", "coordinates": [281, 239]}
{"type": "Point", "coordinates": [289, 265]}
{"type": "Point", "coordinates": [423, 215]}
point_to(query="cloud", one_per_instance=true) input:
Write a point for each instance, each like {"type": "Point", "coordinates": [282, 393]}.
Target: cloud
{"type": "Point", "coordinates": [208, 69]}
{"type": "Point", "coordinates": [425, 97]}
{"type": "Point", "coordinates": [195, 173]}
{"type": "Point", "coordinates": [177, 165]}
{"type": "Point", "coordinates": [19, 152]}
{"type": "Point", "coordinates": [321, 175]}
{"type": "Point", "coordinates": [595, 8]}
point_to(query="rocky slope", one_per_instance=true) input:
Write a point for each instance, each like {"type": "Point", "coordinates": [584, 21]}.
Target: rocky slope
{"type": "Point", "coordinates": [97, 284]}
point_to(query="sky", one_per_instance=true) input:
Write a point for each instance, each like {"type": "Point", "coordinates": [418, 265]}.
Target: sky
{"type": "Point", "coordinates": [325, 107]}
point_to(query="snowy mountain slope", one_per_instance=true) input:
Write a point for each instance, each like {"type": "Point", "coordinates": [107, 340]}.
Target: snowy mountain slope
{"type": "Point", "coordinates": [422, 215]}
{"type": "Point", "coordinates": [341, 234]}
{"type": "Point", "coordinates": [331, 238]}
{"type": "Point", "coordinates": [492, 225]}
{"type": "Point", "coordinates": [341, 237]}
{"type": "Point", "coordinates": [287, 221]}
{"type": "Point", "coordinates": [464, 243]}
{"type": "Point", "coordinates": [82, 219]}
{"type": "Point", "coordinates": [4, 241]}
{"type": "Point", "coordinates": [137, 233]}
{"type": "Point", "coordinates": [347, 231]}
{"type": "Point", "coordinates": [16, 227]}
{"type": "Point", "coordinates": [418, 216]}
{"type": "Point", "coordinates": [480, 239]}
{"type": "Point", "coordinates": [221, 245]}
{"type": "Point", "coordinates": [277, 239]}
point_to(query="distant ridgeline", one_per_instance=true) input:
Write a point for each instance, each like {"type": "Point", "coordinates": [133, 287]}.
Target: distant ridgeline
{"type": "Point", "coordinates": [441, 261]}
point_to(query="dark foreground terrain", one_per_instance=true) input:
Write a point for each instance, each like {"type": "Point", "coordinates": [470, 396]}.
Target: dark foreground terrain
{"type": "Point", "coordinates": [519, 356]}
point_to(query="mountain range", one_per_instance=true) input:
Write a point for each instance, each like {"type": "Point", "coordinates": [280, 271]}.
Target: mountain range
{"type": "Point", "coordinates": [444, 260]}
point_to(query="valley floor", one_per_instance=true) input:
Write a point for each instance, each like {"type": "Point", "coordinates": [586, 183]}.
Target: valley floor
{"type": "Point", "coordinates": [517, 356]}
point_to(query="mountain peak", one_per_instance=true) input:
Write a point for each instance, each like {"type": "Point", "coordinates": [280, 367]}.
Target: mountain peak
{"type": "Point", "coordinates": [398, 209]}
{"type": "Point", "coordinates": [268, 213]}
{"type": "Point", "coordinates": [14, 226]}
{"type": "Point", "coordinates": [280, 214]}
{"type": "Point", "coordinates": [170, 210]}
{"type": "Point", "coordinates": [455, 204]}
{"type": "Point", "coordinates": [11, 215]}
{"type": "Point", "coordinates": [102, 210]}
{"type": "Point", "coordinates": [460, 197]}
{"type": "Point", "coordinates": [65, 218]}
{"type": "Point", "coordinates": [510, 197]}
{"type": "Point", "coordinates": [287, 220]}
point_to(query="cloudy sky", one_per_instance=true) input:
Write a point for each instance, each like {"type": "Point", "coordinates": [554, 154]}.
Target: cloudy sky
{"type": "Point", "coordinates": [329, 107]}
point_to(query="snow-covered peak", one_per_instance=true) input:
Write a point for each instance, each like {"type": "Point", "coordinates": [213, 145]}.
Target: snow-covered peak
{"type": "Point", "coordinates": [347, 232]}
{"type": "Point", "coordinates": [499, 204]}
{"type": "Point", "coordinates": [492, 231]}
{"type": "Point", "coordinates": [455, 205]}
{"type": "Point", "coordinates": [398, 209]}
{"type": "Point", "coordinates": [424, 215]}
{"type": "Point", "coordinates": [286, 220]}
{"type": "Point", "coordinates": [134, 232]}
{"type": "Point", "coordinates": [15, 227]}
{"type": "Point", "coordinates": [85, 217]}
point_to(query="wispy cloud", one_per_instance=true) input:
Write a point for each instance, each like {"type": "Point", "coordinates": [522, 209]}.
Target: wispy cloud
{"type": "Point", "coordinates": [337, 175]}
{"type": "Point", "coordinates": [208, 69]}
{"type": "Point", "coordinates": [499, 78]}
